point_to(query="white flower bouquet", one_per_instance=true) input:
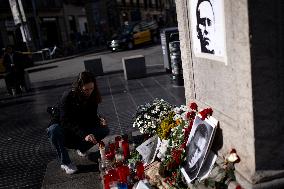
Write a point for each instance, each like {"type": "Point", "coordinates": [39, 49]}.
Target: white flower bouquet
{"type": "Point", "coordinates": [149, 116]}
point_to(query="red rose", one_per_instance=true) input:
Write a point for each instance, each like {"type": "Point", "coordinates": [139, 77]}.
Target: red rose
{"type": "Point", "coordinates": [193, 106]}
{"type": "Point", "coordinates": [209, 111]}
{"type": "Point", "coordinates": [176, 154]}
{"type": "Point", "coordinates": [190, 115]}
{"type": "Point", "coordinates": [205, 113]}
{"type": "Point", "coordinates": [190, 126]}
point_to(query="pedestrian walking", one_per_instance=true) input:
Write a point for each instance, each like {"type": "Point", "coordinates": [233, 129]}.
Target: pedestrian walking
{"type": "Point", "coordinates": [15, 73]}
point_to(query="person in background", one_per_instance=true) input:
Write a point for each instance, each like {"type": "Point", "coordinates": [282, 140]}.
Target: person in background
{"type": "Point", "coordinates": [13, 63]}
{"type": "Point", "coordinates": [78, 125]}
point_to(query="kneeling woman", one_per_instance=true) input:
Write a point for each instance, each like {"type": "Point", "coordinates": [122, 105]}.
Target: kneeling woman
{"type": "Point", "coordinates": [79, 126]}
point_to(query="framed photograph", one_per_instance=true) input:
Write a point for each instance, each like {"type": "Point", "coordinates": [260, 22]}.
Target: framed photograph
{"type": "Point", "coordinates": [198, 147]}
{"type": "Point", "coordinates": [149, 149]}
{"type": "Point", "coordinates": [207, 23]}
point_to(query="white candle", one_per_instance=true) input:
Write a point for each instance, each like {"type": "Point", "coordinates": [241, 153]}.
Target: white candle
{"type": "Point", "coordinates": [120, 144]}
{"type": "Point", "coordinates": [103, 153]}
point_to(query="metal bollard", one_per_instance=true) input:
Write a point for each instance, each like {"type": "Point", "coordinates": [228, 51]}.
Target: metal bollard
{"type": "Point", "coordinates": [176, 63]}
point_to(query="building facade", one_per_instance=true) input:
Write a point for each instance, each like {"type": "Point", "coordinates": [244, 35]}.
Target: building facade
{"type": "Point", "coordinates": [107, 16]}
{"type": "Point", "coordinates": [49, 23]}
{"type": "Point", "coordinates": [75, 25]}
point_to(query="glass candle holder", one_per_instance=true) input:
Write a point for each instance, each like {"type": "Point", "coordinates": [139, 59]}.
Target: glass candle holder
{"type": "Point", "coordinates": [123, 173]}
{"type": "Point", "coordinates": [140, 170]}
{"type": "Point", "coordinates": [125, 148]}
{"type": "Point", "coordinates": [106, 181]}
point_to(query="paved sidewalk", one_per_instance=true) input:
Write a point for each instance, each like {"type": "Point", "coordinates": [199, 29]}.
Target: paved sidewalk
{"type": "Point", "coordinates": [120, 99]}
{"type": "Point", "coordinates": [28, 160]}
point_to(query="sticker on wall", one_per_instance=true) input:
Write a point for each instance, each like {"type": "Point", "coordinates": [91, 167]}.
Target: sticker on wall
{"type": "Point", "coordinates": [208, 29]}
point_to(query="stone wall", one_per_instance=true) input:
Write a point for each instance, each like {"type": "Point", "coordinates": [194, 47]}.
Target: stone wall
{"type": "Point", "coordinates": [266, 38]}
{"type": "Point", "coordinates": [246, 92]}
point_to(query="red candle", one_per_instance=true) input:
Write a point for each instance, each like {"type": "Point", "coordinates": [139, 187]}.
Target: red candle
{"type": "Point", "coordinates": [106, 181]}
{"type": "Point", "coordinates": [123, 172]}
{"type": "Point", "coordinates": [125, 148]}
{"type": "Point", "coordinates": [110, 155]}
{"type": "Point", "coordinates": [140, 170]}
{"type": "Point", "coordinates": [113, 175]}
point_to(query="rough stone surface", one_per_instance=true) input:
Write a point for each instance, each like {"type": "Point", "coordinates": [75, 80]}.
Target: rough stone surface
{"type": "Point", "coordinates": [245, 93]}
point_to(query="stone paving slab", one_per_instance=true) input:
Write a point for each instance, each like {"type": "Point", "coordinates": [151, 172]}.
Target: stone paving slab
{"type": "Point", "coordinates": [24, 148]}
{"type": "Point", "coordinates": [88, 175]}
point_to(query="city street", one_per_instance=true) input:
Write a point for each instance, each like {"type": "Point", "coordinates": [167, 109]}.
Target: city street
{"type": "Point", "coordinates": [24, 148]}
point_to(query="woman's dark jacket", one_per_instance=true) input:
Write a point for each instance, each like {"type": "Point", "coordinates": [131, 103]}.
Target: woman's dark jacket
{"type": "Point", "coordinates": [78, 115]}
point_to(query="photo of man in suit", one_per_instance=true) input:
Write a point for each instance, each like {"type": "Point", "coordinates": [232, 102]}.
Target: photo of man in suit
{"type": "Point", "coordinates": [197, 148]}
{"type": "Point", "coordinates": [196, 151]}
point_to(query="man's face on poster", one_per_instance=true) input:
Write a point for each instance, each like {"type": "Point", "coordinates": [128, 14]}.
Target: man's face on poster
{"type": "Point", "coordinates": [205, 26]}
{"type": "Point", "coordinates": [196, 149]}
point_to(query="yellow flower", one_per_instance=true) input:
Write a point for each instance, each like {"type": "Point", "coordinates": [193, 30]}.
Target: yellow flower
{"type": "Point", "coordinates": [166, 125]}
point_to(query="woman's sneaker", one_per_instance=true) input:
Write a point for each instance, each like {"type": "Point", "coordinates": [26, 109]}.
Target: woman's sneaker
{"type": "Point", "coordinates": [81, 154]}
{"type": "Point", "coordinates": [69, 169]}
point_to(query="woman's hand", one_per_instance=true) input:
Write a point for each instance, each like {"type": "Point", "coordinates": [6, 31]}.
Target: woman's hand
{"type": "Point", "coordinates": [91, 138]}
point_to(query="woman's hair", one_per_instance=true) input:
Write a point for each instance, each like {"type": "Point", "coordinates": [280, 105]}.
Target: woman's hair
{"type": "Point", "coordinates": [84, 78]}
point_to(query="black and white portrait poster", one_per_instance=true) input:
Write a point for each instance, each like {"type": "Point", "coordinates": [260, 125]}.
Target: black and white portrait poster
{"type": "Point", "coordinates": [208, 29]}
{"type": "Point", "coordinates": [198, 146]}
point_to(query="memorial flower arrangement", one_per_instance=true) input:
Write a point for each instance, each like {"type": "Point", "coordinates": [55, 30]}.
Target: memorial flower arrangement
{"type": "Point", "coordinates": [173, 126]}
{"type": "Point", "coordinates": [175, 153]}
{"type": "Point", "coordinates": [223, 171]}
{"type": "Point", "coordinates": [149, 116]}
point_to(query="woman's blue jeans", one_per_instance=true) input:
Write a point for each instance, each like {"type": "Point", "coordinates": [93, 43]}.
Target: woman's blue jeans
{"type": "Point", "coordinates": [56, 137]}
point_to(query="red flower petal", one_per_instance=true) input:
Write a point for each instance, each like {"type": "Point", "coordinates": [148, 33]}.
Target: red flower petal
{"type": "Point", "coordinates": [205, 113]}
{"type": "Point", "coordinates": [190, 115]}
{"type": "Point", "coordinates": [209, 111]}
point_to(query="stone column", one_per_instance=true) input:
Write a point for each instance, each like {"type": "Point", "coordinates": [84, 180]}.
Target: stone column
{"type": "Point", "coordinates": [246, 89]}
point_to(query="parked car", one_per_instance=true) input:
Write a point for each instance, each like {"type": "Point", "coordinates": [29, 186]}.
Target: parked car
{"type": "Point", "coordinates": [134, 34]}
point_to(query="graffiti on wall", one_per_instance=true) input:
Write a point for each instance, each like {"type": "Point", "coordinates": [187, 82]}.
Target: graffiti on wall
{"type": "Point", "coordinates": [208, 29]}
